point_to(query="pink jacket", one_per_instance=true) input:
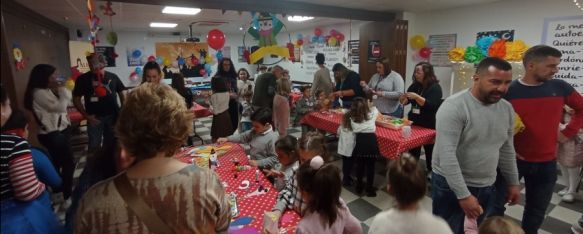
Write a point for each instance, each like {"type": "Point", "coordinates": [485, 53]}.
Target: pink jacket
{"type": "Point", "coordinates": [345, 223]}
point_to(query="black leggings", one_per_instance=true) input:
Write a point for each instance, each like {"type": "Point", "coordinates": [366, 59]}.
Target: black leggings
{"type": "Point", "coordinates": [416, 152]}
{"type": "Point", "coordinates": [59, 146]}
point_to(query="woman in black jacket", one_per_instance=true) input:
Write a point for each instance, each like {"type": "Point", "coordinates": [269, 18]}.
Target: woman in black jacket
{"type": "Point", "coordinates": [424, 95]}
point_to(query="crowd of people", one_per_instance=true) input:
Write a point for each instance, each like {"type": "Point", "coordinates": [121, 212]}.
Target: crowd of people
{"type": "Point", "coordinates": [133, 183]}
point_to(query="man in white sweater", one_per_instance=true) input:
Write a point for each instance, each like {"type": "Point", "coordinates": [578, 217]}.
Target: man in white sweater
{"type": "Point", "coordinates": [474, 137]}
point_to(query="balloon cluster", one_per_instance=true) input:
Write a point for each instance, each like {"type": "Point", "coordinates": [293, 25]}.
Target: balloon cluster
{"type": "Point", "coordinates": [422, 52]}
{"type": "Point", "coordinates": [334, 38]}
{"type": "Point", "coordinates": [135, 75]}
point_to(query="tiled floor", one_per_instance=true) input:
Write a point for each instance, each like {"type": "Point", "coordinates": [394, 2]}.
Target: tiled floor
{"type": "Point", "coordinates": [560, 215]}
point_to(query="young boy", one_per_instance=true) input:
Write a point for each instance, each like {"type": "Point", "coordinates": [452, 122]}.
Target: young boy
{"type": "Point", "coordinates": [247, 110]}
{"type": "Point", "coordinates": [261, 138]}
{"type": "Point", "coordinates": [304, 106]}
{"type": "Point", "coordinates": [287, 154]}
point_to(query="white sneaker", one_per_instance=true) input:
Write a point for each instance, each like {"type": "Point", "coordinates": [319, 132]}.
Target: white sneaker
{"type": "Point", "coordinates": [568, 197]}
{"type": "Point", "coordinates": [563, 192]}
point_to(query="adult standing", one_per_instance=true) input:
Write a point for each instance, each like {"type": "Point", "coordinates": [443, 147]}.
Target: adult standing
{"type": "Point", "coordinates": [186, 198]}
{"type": "Point", "coordinates": [265, 86]}
{"type": "Point", "coordinates": [386, 87]}
{"type": "Point", "coordinates": [48, 101]}
{"type": "Point", "coordinates": [281, 110]}
{"type": "Point", "coordinates": [322, 80]}
{"type": "Point", "coordinates": [536, 146]}
{"type": "Point", "coordinates": [226, 69]}
{"type": "Point", "coordinates": [347, 86]}
{"type": "Point", "coordinates": [424, 95]}
{"type": "Point", "coordinates": [100, 90]}
{"type": "Point", "coordinates": [474, 136]}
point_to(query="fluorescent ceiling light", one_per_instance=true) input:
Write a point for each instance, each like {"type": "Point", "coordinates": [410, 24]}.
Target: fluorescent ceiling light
{"type": "Point", "coordinates": [162, 25]}
{"type": "Point", "coordinates": [180, 10]}
{"type": "Point", "coordinates": [297, 18]}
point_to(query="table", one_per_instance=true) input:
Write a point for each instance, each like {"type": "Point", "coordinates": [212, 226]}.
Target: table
{"type": "Point", "coordinates": [391, 143]}
{"type": "Point", "coordinates": [254, 206]}
{"type": "Point", "coordinates": [200, 111]}
{"type": "Point", "coordinates": [294, 97]}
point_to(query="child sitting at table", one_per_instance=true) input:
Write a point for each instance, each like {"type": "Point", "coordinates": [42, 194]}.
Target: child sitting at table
{"type": "Point", "coordinates": [261, 138]}
{"type": "Point", "coordinates": [326, 212]}
{"type": "Point", "coordinates": [247, 110]}
{"type": "Point", "coordinates": [288, 161]}
{"type": "Point", "coordinates": [361, 119]}
{"type": "Point", "coordinates": [323, 103]}
{"type": "Point", "coordinates": [408, 185]}
{"type": "Point", "coordinates": [304, 106]}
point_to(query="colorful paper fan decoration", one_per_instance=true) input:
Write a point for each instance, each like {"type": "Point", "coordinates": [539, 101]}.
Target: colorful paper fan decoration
{"type": "Point", "coordinates": [456, 54]}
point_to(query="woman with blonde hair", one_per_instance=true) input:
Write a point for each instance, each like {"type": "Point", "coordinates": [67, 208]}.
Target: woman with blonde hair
{"type": "Point", "coordinates": [157, 193]}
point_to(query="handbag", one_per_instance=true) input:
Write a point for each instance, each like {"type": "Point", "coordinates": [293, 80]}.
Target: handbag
{"type": "Point", "coordinates": [133, 200]}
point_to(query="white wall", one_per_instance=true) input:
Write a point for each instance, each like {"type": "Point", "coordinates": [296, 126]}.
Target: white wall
{"type": "Point", "coordinates": [148, 41]}
{"type": "Point", "coordinates": [526, 17]}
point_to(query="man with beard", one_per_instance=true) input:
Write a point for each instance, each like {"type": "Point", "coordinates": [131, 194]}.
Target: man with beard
{"type": "Point", "coordinates": [539, 100]}
{"type": "Point", "coordinates": [474, 136]}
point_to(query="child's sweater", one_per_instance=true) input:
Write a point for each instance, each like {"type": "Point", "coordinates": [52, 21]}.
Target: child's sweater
{"type": "Point", "coordinates": [262, 146]}
{"type": "Point", "coordinates": [345, 223]}
{"type": "Point", "coordinates": [288, 171]}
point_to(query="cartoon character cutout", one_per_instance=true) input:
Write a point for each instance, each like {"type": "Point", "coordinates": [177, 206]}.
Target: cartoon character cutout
{"type": "Point", "coordinates": [265, 28]}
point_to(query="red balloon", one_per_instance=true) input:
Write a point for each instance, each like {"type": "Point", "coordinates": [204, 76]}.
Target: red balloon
{"type": "Point", "coordinates": [151, 58]}
{"type": "Point", "coordinates": [424, 52]}
{"type": "Point", "coordinates": [216, 39]}
{"type": "Point", "coordinates": [202, 72]}
{"type": "Point", "coordinates": [300, 42]}
{"type": "Point", "coordinates": [317, 32]}
{"type": "Point", "coordinates": [194, 61]}
{"type": "Point", "coordinates": [340, 37]}
{"type": "Point", "coordinates": [247, 56]}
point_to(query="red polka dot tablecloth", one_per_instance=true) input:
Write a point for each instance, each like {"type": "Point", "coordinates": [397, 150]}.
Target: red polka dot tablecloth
{"type": "Point", "coordinates": [295, 97]}
{"type": "Point", "coordinates": [200, 111]}
{"type": "Point", "coordinates": [391, 142]}
{"type": "Point", "coordinates": [248, 204]}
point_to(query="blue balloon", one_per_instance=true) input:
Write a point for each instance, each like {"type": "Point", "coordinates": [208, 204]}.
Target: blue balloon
{"type": "Point", "coordinates": [207, 67]}
{"type": "Point", "coordinates": [299, 36]}
{"type": "Point", "coordinates": [136, 53]}
{"type": "Point", "coordinates": [321, 39]}
{"type": "Point", "coordinates": [219, 55]}
{"type": "Point", "coordinates": [315, 39]}
{"type": "Point", "coordinates": [181, 61]}
{"type": "Point", "coordinates": [139, 70]}
{"type": "Point", "coordinates": [159, 60]}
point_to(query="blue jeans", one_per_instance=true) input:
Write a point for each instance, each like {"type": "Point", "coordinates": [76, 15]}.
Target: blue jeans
{"type": "Point", "coordinates": [245, 126]}
{"type": "Point", "coordinates": [102, 132]}
{"type": "Point", "coordinates": [446, 204]}
{"type": "Point", "coordinates": [539, 180]}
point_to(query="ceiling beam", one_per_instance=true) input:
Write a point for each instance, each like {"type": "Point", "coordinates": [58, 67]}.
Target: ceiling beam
{"type": "Point", "coordinates": [277, 7]}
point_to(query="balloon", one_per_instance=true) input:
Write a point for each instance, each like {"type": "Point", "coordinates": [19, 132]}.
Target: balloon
{"type": "Point", "coordinates": [340, 37]}
{"type": "Point", "coordinates": [219, 55]}
{"type": "Point", "coordinates": [167, 62]}
{"type": "Point", "coordinates": [181, 61]}
{"type": "Point", "coordinates": [160, 60]}
{"type": "Point", "coordinates": [111, 38]}
{"type": "Point", "coordinates": [417, 42]}
{"type": "Point", "coordinates": [70, 84]}
{"type": "Point", "coordinates": [215, 39]}
{"type": "Point", "coordinates": [300, 42]}
{"type": "Point", "coordinates": [247, 55]}
{"type": "Point", "coordinates": [321, 39]}
{"type": "Point", "coordinates": [317, 32]}
{"type": "Point", "coordinates": [138, 70]}
{"type": "Point", "coordinates": [315, 39]}
{"type": "Point", "coordinates": [194, 61]}
{"type": "Point", "coordinates": [333, 32]}
{"type": "Point", "coordinates": [208, 59]}
{"type": "Point", "coordinates": [424, 52]}
{"type": "Point", "coordinates": [332, 41]}
{"type": "Point", "coordinates": [207, 67]}
{"type": "Point", "coordinates": [299, 36]}
{"type": "Point", "coordinates": [134, 76]}
{"type": "Point", "coordinates": [151, 58]}
{"type": "Point", "coordinates": [136, 53]}
{"type": "Point", "coordinates": [202, 72]}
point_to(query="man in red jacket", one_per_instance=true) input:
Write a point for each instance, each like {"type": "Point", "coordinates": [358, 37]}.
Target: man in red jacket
{"type": "Point", "coordinates": [539, 100]}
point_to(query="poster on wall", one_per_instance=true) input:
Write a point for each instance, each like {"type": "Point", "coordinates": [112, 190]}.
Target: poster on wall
{"type": "Point", "coordinates": [507, 35]}
{"type": "Point", "coordinates": [136, 56]}
{"type": "Point", "coordinates": [333, 55]}
{"type": "Point", "coordinates": [77, 54]}
{"type": "Point", "coordinates": [173, 51]}
{"type": "Point", "coordinates": [566, 34]}
{"type": "Point", "coordinates": [241, 53]}
{"type": "Point", "coordinates": [109, 53]}
{"type": "Point", "coordinates": [374, 51]}
{"type": "Point", "coordinates": [354, 51]}
{"type": "Point", "coordinates": [440, 46]}
{"type": "Point", "coordinates": [297, 52]}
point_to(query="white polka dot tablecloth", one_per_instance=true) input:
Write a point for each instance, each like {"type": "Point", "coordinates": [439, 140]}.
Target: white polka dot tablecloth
{"type": "Point", "coordinates": [391, 142]}
{"type": "Point", "coordinates": [249, 204]}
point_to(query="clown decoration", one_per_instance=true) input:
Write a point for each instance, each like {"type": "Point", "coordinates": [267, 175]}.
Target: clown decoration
{"type": "Point", "coordinates": [265, 28]}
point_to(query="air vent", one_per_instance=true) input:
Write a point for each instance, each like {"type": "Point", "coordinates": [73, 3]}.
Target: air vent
{"type": "Point", "coordinates": [208, 23]}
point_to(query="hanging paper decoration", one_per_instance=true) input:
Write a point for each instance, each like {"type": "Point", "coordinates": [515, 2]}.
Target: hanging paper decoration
{"type": "Point", "coordinates": [108, 11]}
{"type": "Point", "coordinates": [417, 42]}
{"type": "Point", "coordinates": [93, 21]}
{"type": "Point", "coordinates": [456, 54]}
{"type": "Point", "coordinates": [484, 43]}
{"type": "Point", "coordinates": [515, 50]}
{"type": "Point", "coordinates": [18, 57]}
{"type": "Point", "coordinates": [215, 39]}
{"type": "Point", "coordinates": [265, 29]}
{"type": "Point", "coordinates": [497, 49]}
{"type": "Point", "coordinates": [473, 55]}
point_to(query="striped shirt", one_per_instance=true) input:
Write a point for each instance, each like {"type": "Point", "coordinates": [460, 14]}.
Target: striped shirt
{"type": "Point", "coordinates": [17, 177]}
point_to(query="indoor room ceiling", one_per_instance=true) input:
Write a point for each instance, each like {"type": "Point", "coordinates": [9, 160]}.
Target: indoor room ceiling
{"type": "Point", "coordinates": [137, 17]}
